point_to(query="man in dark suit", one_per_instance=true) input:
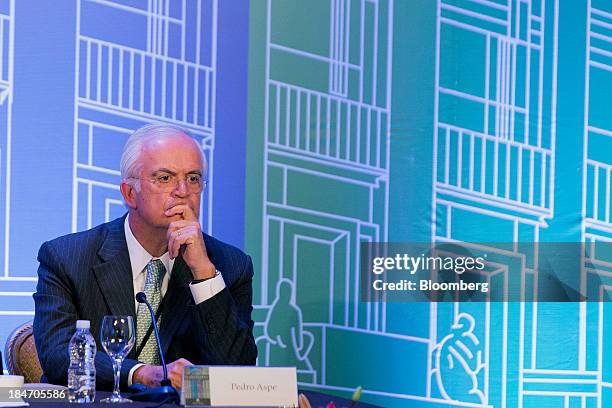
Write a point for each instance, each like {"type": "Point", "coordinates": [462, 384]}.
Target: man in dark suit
{"type": "Point", "coordinates": [201, 287]}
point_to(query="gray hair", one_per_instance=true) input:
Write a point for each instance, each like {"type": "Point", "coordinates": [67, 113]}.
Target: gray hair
{"type": "Point", "coordinates": [130, 165]}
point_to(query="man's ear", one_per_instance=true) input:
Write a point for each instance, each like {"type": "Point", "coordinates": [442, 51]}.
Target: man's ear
{"type": "Point", "coordinates": [129, 194]}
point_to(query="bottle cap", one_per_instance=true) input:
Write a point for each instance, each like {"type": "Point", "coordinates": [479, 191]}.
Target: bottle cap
{"type": "Point", "coordinates": [82, 324]}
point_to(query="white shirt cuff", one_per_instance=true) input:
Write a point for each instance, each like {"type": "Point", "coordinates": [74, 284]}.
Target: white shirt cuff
{"type": "Point", "coordinates": [131, 374]}
{"type": "Point", "coordinates": [205, 290]}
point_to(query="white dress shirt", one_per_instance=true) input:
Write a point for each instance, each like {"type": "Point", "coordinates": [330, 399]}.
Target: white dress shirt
{"type": "Point", "coordinates": [139, 258]}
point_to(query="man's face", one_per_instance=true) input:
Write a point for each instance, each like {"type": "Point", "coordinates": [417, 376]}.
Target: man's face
{"type": "Point", "coordinates": [177, 158]}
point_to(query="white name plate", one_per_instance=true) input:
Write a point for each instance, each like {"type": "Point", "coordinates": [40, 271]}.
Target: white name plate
{"type": "Point", "coordinates": [239, 386]}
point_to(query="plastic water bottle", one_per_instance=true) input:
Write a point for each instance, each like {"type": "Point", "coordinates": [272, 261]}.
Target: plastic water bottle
{"type": "Point", "coordinates": [82, 369]}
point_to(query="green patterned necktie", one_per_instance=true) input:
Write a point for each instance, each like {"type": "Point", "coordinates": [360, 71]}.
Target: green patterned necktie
{"type": "Point", "coordinates": [152, 288]}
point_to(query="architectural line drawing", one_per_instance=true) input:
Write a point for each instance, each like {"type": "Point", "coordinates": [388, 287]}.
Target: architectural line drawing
{"type": "Point", "coordinates": [334, 134]}
{"type": "Point", "coordinates": [125, 83]}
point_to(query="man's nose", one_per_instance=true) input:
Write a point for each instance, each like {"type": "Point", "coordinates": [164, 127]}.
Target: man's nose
{"type": "Point", "coordinates": [181, 189]}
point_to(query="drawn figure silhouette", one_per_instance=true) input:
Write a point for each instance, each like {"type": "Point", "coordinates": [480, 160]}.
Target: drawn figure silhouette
{"type": "Point", "coordinates": [458, 361]}
{"type": "Point", "coordinates": [288, 343]}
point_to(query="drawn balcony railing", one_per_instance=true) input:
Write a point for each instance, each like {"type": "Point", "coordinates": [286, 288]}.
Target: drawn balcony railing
{"type": "Point", "coordinates": [488, 168]}
{"type": "Point", "coordinates": [144, 83]}
{"type": "Point", "coordinates": [326, 126]}
{"type": "Point", "coordinates": [600, 39]}
{"type": "Point", "coordinates": [598, 191]}
{"type": "Point", "coordinates": [5, 25]}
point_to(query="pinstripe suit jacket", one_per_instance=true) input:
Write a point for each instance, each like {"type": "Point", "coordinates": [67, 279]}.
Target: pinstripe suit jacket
{"type": "Point", "coordinates": [88, 275]}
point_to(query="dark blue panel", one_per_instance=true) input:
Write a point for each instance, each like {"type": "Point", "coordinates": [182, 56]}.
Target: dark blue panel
{"type": "Point", "coordinates": [230, 141]}
{"type": "Point", "coordinates": [43, 128]}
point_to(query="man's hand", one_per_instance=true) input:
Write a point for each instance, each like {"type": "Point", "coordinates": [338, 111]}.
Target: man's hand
{"type": "Point", "coordinates": [187, 233]}
{"type": "Point", "coordinates": [151, 375]}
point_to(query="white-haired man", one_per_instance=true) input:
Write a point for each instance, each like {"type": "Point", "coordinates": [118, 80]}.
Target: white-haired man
{"type": "Point", "coordinates": [200, 287]}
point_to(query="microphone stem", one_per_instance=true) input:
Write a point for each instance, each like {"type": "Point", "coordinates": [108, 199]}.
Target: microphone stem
{"type": "Point", "coordinates": [159, 347]}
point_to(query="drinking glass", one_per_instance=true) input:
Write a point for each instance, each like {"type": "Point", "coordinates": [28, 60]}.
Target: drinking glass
{"type": "Point", "coordinates": [117, 337]}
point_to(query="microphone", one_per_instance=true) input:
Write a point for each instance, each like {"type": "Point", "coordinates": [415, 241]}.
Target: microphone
{"type": "Point", "coordinates": [166, 392]}
{"type": "Point", "coordinates": [141, 297]}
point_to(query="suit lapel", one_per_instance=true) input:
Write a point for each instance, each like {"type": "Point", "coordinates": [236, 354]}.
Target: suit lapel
{"type": "Point", "coordinates": [114, 274]}
{"type": "Point", "coordinates": [177, 300]}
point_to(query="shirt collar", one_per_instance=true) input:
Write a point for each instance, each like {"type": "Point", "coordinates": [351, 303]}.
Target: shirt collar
{"type": "Point", "coordinates": [139, 257]}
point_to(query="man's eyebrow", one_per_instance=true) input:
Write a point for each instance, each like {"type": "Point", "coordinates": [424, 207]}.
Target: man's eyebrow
{"type": "Point", "coordinates": [165, 170]}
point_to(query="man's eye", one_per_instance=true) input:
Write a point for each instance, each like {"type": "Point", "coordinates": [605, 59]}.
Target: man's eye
{"type": "Point", "coordinates": [164, 179]}
{"type": "Point", "coordinates": [193, 179]}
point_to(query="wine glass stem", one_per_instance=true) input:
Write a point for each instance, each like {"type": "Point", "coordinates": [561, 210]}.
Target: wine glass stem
{"type": "Point", "coordinates": [117, 371]}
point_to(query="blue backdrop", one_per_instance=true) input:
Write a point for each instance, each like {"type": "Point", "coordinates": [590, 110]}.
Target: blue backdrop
{"type": "Point", "coordinates": [76, 77]}
{"type": "Point", "coordinates": [328, 123]}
